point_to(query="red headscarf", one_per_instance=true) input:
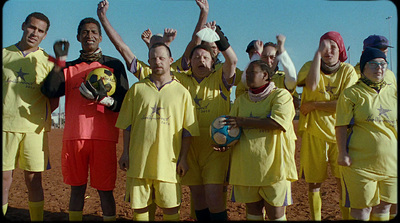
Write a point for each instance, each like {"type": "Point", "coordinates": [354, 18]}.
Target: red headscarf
{"type": "Point", "coordinates": [335, 36]}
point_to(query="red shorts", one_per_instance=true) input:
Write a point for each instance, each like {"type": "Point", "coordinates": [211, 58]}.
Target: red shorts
{"type": "Point", "coordinates": [78, 156]}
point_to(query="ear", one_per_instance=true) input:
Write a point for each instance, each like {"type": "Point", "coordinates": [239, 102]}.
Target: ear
{"type": "Point", "coordinates": [171, 60]}
{"type": "Point", "coordinates": [101, 39]}
{"type": "Point", "coordinates": [77, 37]}
{"type": "Point", "coordinates": [23, 25]}
{"type": "Point", "coordinates": [266, 76]}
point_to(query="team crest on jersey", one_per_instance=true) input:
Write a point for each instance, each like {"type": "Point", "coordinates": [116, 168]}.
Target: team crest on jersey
{"type": "Point", "coordinates": [382, 116]}
{"type": "Point", "coordinates": [329, 90]}
{"type": "Point", "coordinates": [201, 109]}
{"type": "Point", "coordinates": [20, 79]}
{"type": "Point", "coordinates": [156, 114]}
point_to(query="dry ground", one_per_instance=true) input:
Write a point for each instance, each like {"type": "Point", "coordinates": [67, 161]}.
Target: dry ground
{"type": "Point", "coordinates": [57, 195]}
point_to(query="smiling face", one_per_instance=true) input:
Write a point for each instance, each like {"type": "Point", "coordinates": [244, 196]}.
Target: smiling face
{"type": "Point", "coordinates": [89, 37]}
{"type": "Point", "coordinates": [34, 33]}
{"type": "Point", "coordinates": [375, 69]}
{"type": "Point", "coordinates": [269, 56]}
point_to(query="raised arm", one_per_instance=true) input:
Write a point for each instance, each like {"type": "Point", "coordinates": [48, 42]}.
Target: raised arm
{"type": "Point", "coordinates": [203, 5]}
{"type": "Point", "coordinates": [229, 66]}
{"type": "Point", "coordinates": [312, 78]}
{"type": "Point", "coordinates": [115, 38]}
{"type": "Point", "coordinates": [287, 63]}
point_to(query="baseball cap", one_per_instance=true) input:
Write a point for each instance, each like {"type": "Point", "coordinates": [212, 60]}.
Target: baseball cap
{"type": "Point", "coordinates": [376, 41]}
{"type": "Point", "coordinates": [250, 46]}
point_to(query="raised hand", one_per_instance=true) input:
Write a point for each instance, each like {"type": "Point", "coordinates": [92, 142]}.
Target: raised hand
{"type": "Point", "coordinates": [203, 5]}
{"type": "Point", "coordinates": [169, 35]}
{"type": "Point", "coordinates": [146, 35]}
{"type": "Point", "coordinates": [102, 8]}
{"type": "Point", "coordinates": [61, 49]}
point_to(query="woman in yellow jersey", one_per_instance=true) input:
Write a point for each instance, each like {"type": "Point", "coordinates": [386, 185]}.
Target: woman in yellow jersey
{"type": "Point", "coordinates": [366, 134]}
{"type": "Point", "coordinates": [323, 80]}
{"type": "Point", "coordinates": [258, 166]}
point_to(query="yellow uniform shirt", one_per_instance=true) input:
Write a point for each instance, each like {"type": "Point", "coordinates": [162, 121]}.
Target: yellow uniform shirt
{"type": "Point", "coordinates": [321, 123]}
{"type": "Point", "coordinates": [389, 76]}
{"type": "Point", "coordinates": [258, 159]}
{"type": "Point", "coordinates": [372, 143]}
{"type": "Point", "coordinates": [25, 108]}
{"type": "Point", "coordinates": [157, 119]}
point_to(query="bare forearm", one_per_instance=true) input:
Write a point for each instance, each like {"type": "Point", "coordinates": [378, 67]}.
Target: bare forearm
{"type": "Point", "coordinates": [341, 138]}
{"type": "Point", "coordinates": [185, 147]}
{"type": "Point", "coordinates": [126, 140]}
{"type": "Point", "coordinates": [117, 40]}
{"type": "Point", "coordinates": [258, 123]}
{"type": "Point", "coordinates": [229, 66]}
{"type": "Point", "coordinates": [312, 78]}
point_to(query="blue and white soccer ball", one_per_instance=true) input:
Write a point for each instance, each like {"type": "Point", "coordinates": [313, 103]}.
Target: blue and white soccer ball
{"type": "Point", "coordinates": [222, 135]}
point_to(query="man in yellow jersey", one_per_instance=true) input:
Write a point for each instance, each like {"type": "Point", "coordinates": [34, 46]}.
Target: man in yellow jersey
{"type": "Point", "coordinates": [156, 159]}
{"type": "Point", "coordinates": [323, 80]}
{"type": "Point", "coordinates": [366, 134]}
{"type": "Point", "coordinates": [381, 43]}
{"type": "Point", "coordinates": [26, 112]}
{"type": "Point", "coordinates": [273, 54]}
{"type": "Point", "coordinates": [265, 114]}
{"type": "Point", "coordinates": [139, 68]}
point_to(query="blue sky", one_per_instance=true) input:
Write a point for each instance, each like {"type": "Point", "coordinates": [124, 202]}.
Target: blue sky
{"type": "Point", "coordinates": [303, 22]}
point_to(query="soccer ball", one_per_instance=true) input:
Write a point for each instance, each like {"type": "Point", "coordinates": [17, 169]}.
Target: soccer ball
{"type": "Point", "coordinates": [105, 75]}
{"type": "Point", "coordinates": [222, 135]}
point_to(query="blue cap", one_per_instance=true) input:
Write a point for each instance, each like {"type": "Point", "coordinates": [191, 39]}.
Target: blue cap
{"type": "Point", "coordinates": [376, 41]}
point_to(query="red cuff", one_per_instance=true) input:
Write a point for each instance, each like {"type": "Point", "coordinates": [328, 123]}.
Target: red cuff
{"type": "Point", "coordinates": [58, 62]}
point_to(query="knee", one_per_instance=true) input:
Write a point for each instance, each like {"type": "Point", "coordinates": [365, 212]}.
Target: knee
{"type": "Point", "coordinates": [381, 208]}
{"type": "Point", "coordinates": [314, 187]}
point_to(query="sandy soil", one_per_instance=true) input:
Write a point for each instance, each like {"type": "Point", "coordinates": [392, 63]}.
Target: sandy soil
{"type": "Point", "coordinates": [57, 195]}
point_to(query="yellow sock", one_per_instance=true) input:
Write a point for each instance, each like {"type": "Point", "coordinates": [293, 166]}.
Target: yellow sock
{"type": "Point", "coordinates": [36, 210]}
{"type": "Point", "coordinates": [5, 206]}
{"type": "Point", "coordinates": [152, 211]}
{"type": "Point", "coordinates": [141, 216]}
{"type": "Point", "coordinates": [75, 215]}
{"type": "Point", "coordinates": [345, 211]}
{"type": "Point", "coordinates": [392, 216]}
{"type": "Point", "coordinates": [314, 199]}
{"type": "Point", "coordinates": [171, 217]}
{"type": "Point", "coordinates": [109, 218]}
{"type": "Point", "coordinates": [379, 217]}
{"type": "Point", "coordinates": [250, 217]}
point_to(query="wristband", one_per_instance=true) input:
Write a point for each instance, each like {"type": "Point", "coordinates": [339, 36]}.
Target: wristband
{"type": "Point", "coordinates": [57, 61]}
{"type": "Point", "coordinates": [223, 43]}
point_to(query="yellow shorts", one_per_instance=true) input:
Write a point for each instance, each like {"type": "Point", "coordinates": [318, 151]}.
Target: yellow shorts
{"type": "Point", "coordinates": [206, 166]}
{"type": "Point", "coordinates": [315, 155]}
{"type": "Point", "coordinates": [29, 150]}
{"type": "Point", "coordinates": [363, 189]}
{"type": "Point", "coordinates": [278, 194]}
{"type": "Point", "coordinates": [143, 192]}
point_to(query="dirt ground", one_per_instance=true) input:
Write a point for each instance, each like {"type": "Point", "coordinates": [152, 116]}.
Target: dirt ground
{"type": "Point", "coordinates": [57, 195]}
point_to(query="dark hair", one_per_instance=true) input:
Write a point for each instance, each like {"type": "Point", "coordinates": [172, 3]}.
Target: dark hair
{"type": "Point", "coordinates": [269, 44]}
{"type": "Point", "coordinates": [263, 66]}
{"type": "Point", "coordinates": [86, 21]}
{"type": "Point", "coordinates": [155, 45]}
{"type": "Point", "coordinates": [204, 47]}
{"type": "Point", "coordinates": [39, 16]}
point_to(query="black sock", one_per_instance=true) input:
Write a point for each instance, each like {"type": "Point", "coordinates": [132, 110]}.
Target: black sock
{"type": "Point", "coordinates": [221, 216]}
{"type": "Point", "coordinates": [203, 215]}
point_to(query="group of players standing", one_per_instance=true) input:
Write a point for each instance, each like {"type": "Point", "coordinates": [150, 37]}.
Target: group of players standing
{"type": "Point", "coordinates": [348, 120]}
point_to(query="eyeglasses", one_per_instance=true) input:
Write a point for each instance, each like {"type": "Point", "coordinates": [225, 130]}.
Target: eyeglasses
{"type": "Point", "coordinates": [374, 64]}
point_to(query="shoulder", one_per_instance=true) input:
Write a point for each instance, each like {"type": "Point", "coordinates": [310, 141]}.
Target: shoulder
{"type": "Point", "coordinates": [112, 62]}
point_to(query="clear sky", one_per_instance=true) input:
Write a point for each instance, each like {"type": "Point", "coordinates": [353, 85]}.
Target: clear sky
{"type": "Point", "coordinates": [303, 22]}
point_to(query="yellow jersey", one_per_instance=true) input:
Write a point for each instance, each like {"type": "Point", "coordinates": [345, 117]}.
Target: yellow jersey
{"type": "Point", "coordinates": [372, 141]}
